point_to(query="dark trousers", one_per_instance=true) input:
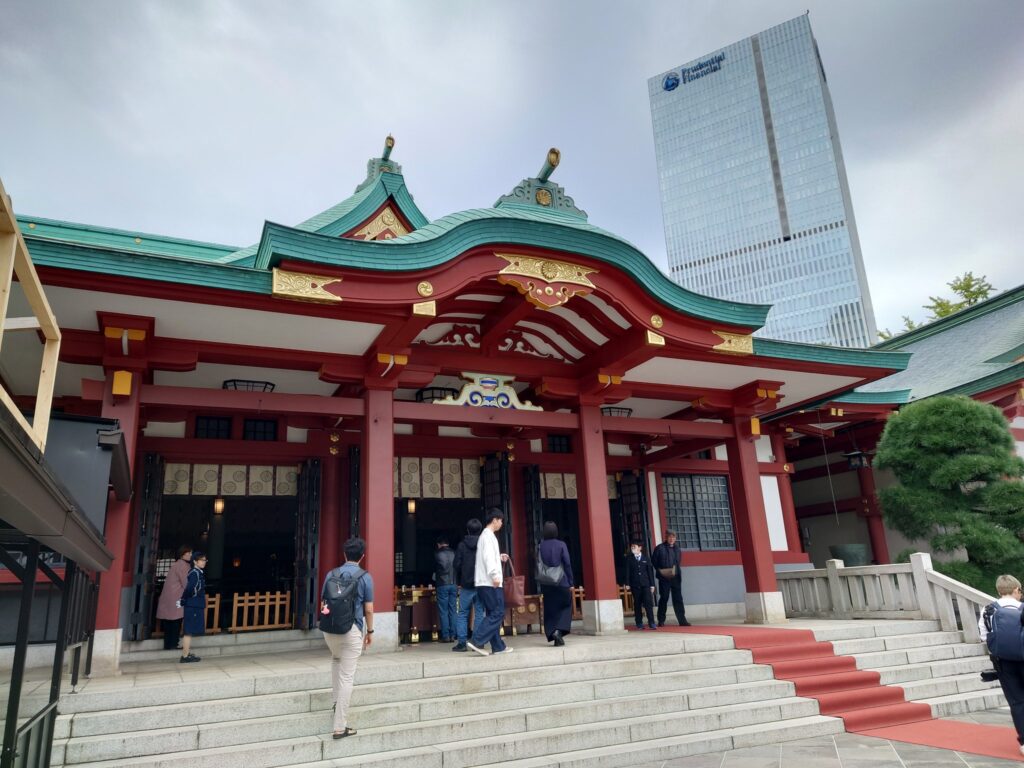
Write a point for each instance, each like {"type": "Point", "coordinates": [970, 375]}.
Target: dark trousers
{"type": "Point", "coordinates": [643, 600]}
{"type": "Point", "coordinates": [1011, 679]}
{"type": "Point", "coordinates": [675, 587]}
{"type": "Point", "coordinates": [489, 630]}
{"type": "Point", "coordinates": [172, 633]}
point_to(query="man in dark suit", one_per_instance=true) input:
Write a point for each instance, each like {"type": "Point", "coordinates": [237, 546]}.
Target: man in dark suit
{"type": "Point", "coordinates": [640, 576]}
{"type": "Point", "coordinates": [666, 558]}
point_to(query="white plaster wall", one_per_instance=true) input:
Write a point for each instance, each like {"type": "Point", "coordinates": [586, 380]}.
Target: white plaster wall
{"type": "Point", "coordinates": [721, 454]}
{"type": "Point", "coordinates": [773, 513]}
{"type": "Point", "coordinates": [164, 429]}
{"type": "Point", "coordinates": [763, 445]}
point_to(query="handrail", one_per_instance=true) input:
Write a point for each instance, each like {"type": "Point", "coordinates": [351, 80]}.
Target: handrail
{"type": "Point", "coordinates": [901, 590]}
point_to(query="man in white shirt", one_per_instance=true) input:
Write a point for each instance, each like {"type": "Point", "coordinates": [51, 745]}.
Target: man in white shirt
{"type": "Point", "coordinates": [1011, 671]}
{"type": "Point", "coordinates": [489, 586]}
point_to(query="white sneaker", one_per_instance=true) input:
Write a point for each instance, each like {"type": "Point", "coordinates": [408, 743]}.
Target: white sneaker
{"type": "Point", "coordinates": [506, 649]}
{"type": "Point", "coordinates": [481, 651]}
{"type": "Point", "coordinates": [1022, 749]}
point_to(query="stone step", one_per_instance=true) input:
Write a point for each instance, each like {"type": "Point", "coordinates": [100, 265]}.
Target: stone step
{"type": "Point", "coordinates": [864, 630]}
{"type": "Point", "coordinates": [667, 749]}
{"type": "Point", "coordinates": [419, 700]}
{"type": "Point", "coordinates": [239, 648]}
{"type": "Point", "coordinates": [465, 742]}
{"type": "Point", "coordinates": [895, 642]}
{"type": "Point", "coordinates": [413, 678]}
{"type": "Point", "coordinates": [965, 703]}
{"type": "Point", "coordinates": [535, 705]}
{"type": "Point", "coordinates": [906, 673]}
{"type": "Point", "coordinates": [926, 655]}
{"type": "Point", "coordinates": [130, 647]}
{"type": "Point", "coordinates": [946, 686]}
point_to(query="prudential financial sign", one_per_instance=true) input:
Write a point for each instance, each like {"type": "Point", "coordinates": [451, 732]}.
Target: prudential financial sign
{"type": "Point", "coordinates": [688, 74]}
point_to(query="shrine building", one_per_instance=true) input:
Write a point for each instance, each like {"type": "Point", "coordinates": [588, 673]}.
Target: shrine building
{"type": "Point", "coordinates": [371, 372]}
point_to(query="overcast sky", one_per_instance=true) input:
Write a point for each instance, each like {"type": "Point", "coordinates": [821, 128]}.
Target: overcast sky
{"type": "Point", "coordinates": [203, 119]}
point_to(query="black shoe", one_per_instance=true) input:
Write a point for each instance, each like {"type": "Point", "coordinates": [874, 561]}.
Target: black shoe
{"type": "Point", "coordinates": [685, 623]}
{"type": "Point", "coordinates": [190, 659]}
{"type": "Point", "coordinates": [460, 648]}
{"type": "Point", "coordinates": [558, 638]}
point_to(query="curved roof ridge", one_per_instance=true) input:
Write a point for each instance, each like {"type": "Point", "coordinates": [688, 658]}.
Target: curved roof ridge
{"type": "Point", "coordinates": [449, 236]}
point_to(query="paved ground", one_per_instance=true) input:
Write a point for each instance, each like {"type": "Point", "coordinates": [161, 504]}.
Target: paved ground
{"type": "Point", "coordinates": [848, 750]}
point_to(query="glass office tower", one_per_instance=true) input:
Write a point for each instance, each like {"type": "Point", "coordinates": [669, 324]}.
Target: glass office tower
{"type": "Point", "coordinates": [753, 188]}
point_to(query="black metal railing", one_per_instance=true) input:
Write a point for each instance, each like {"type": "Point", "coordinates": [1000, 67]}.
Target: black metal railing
{"type": "Point", "coordinates": [29, 745]}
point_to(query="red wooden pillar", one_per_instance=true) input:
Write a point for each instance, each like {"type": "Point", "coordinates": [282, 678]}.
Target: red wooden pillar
{"type": "Point", "coordinates": [764, 603]}
{"type": "Point", "coordinates": [873, 514]}
{"type": "Point", "coordinates": [793, 541]}
{"type": "Point", "coordinates": [330, 516]}
{"type": "Point", "coordinates": [377, 515]}
{"type": "Point", "coordinates": [517, 506]}
{"type": "Point", "coordinates": [124, 408]}
{"type": "Point", "coordinates": [595, 515]}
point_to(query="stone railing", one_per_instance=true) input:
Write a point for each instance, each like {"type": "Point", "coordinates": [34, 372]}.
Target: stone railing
{"type": "Point", "coordinates": [911, 590]}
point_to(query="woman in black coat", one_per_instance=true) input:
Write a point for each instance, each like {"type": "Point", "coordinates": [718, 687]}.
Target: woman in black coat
{"type": "Point", "coordinates": [552, 552]}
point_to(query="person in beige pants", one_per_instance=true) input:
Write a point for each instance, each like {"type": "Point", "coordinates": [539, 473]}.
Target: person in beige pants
{"type": "Point", "coordinates": [346, 648]}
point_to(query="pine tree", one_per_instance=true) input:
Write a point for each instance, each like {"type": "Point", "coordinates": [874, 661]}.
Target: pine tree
{"type": "Point", "coordinates": [967, 287]}
{"type": "Point", "coordinates": [959, 485]}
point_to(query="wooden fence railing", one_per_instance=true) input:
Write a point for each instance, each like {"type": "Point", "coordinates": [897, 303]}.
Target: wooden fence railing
{"type": "Point", "coordinates": [251, 612]}
{"type": "Point", "coordinates": [911, 590]}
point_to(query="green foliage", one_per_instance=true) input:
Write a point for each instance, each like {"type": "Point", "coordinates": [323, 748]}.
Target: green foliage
{"type": "Point", "coordinates": [959, 485]}
{"type": "Point", "coordinates": [966, 287]}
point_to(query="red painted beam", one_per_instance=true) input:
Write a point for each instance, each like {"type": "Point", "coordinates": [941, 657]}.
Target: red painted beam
{"type": "Point", "coordinates": [262, 402]}
{"type": "Point", "coordinates": [674, 428]}
{"type": "Point", "coordinates": [464, 415]}
{"type": "Point", "coordinates": [502, 319]}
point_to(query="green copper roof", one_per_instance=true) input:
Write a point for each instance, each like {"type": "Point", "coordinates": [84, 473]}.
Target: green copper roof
{"type": "Point", "coordinates": [510, 225]}
{"type": "Point", "coordinates": [895, 397]}
{"type": "Point", "coordinates": [121, 239]}
{"type": "Point", "coordinates": [792, 350]}
{"type": "Point", "coordinates": [972, 351]}
{"type": "Point", "coordinates": [351, 212]}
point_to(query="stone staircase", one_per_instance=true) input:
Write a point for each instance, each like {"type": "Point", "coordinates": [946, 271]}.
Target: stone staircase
{"type": "Point", "coordinates": [596, 702]}
{"type": "Point", "coordinates": [225, 644]}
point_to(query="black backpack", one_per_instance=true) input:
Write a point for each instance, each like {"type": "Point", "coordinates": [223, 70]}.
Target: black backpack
{"type": "Point", "coordinates": [338, 602]}
{"type": "Point", "coordinates": [1005, 635]}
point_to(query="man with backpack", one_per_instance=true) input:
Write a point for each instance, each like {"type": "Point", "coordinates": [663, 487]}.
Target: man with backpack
{"type": "Point", "coordinates": [346, 619]}
{"type": "Point", "coordinates": [1001, 629]}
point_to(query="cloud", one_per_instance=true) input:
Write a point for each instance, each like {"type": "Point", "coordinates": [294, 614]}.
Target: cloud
{"type": "Point", "coordinates": [204, 119]}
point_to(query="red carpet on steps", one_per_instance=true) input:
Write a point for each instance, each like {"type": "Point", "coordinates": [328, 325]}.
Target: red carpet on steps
{"type": "Point", "coordinates": [865, 705]}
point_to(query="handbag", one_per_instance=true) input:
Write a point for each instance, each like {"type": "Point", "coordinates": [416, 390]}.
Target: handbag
{"type": "Point", "coordinates": [549, 575]}
{"type": "Point", "coordinates": [667, 573]}
{"type": "Point", "coordinates": [514, 588]}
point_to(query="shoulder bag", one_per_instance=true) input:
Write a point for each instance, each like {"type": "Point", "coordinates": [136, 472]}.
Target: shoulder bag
{"type": "Point", "coordinates": [514, 588]}
{"type": "Point", "coordinates": [548, 575]}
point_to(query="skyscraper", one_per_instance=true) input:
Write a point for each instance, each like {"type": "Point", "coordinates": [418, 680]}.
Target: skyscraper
{"type": "Point", "coordinates": [753, 187]}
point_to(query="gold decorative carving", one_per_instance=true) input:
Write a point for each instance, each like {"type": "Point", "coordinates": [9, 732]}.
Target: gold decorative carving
{"type": "Point", "coordinates": [384, 226]}
{"type": "Point", "coordinates": [655, 339]}
{"type": "Point", "coordinates": [425, 309]}
{"type": "Point", "coordinates": [304, 287]}
{"type": "Point", "coordinates": [543, 197]}
{"type": "Point", "coordinates": [549, 283]}
{"type": "Point", "coordinates": [734, 343]}
{"type": "Point", "coordinates": [657, 321]}
{"type": "Point", "coordinates": [425, 289]}
{"type": "Point", "coordinates": [484, 390]}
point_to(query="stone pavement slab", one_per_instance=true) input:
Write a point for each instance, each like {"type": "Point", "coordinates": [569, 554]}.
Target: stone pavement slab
{"type": "Point", "coordinates": [850, 750]}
